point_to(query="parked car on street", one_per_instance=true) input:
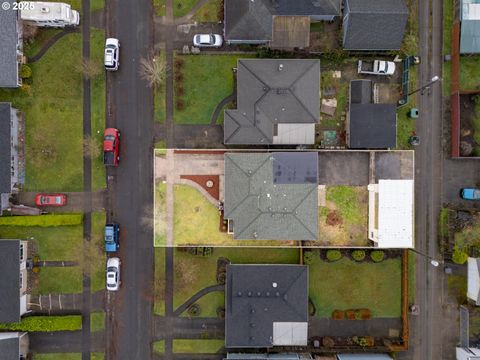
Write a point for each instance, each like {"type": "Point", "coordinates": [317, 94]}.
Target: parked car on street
{"type": "Point", "coordinates": [470, 194]}
{"type": "Point", "coordinates": [50, 199]}
{"type": "Point", "coordinates": [112, 234]}
{"type": "Point", "coordinates": [376, 67]}
{"type": "Point", "coordinates": [111, 150]}
{"type": "Point", "coordinates": [112, 54]}
{"type": "Point", "coordinates": [113, 274]}
{"type": "Point", "coordinates": [207, 40]}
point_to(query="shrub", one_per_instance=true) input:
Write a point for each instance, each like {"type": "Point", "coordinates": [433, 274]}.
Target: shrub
{"type": "Point", "coordinates": [46, 323]}
{"type": "Point", "coordinates": [42, 220]}
{"type": "Point", "coordinates": [358, 255]}
{"type": "Point", "coordinates": [178, 77]}
{"type": "Point", "coordinates": [194, 310]}
{"type": "Point", "coordinates": [459, 256]}
{"type": "Point", "coordinates": [363, 341]}
{"type": "Point", "coordinates": [308, 257]}
{"type": "Point", "coordinates": [221, 278]}
{"type": "Point", "coordinates": [350, 315]}
{"type": "Point", "coordinates": [311, 307]}
{"type": "Point", "coordinates": [334, 255]}
{"type": "Point", "coordinates": [338, 315]}
{"type": "Point", "coordinates": [328, 342]}
{"type": "Point", "coordinates": [179, 62]}
{"type": "Point", "coordinates": [25, 71]}
{"type": "Point", "coordinates": [377, 255]}
{"type": "Point", "coordinates": [26, 89]}
{"type": "Point", "coordinates": [364, 314]}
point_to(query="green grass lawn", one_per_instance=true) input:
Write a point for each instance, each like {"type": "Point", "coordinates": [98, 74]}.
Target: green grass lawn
{"type": "Point", "coordinates": [160, 214]}
{"type": "Point", "coordinates": [469, 65]}
{"type": "Point", "coordinates": [44, 34]}
{"type": "Point", "coordinates": [447, 26]}
{"type": "Point", "coordinates": [183, 7]}
{"type": "Point", "coordinates": [207, 80]}
{"type": "Point", "coordinates": [159, 100]}
{"type": "Point", "coordinates": [197, 222]}
{"type": "Point", "coordinates": [97, 321]}
{"type": "Point", "coordinates": [197, 346]}
{"type": "Point", "coordinates": [159, 287]}
{"type": "Point", "coordinates": [209, 12]}
{"type": "Point", "coordinates": [411, 277]}
{"type": "Point", "coordinates": [457, 288]}
{"type": "Point", "coordinates": [159, 347]}
{"type": "Point", "coordinates": [58, 280]}
{"type": "Point", "coordinates": [405, 124]}
{"type": "Point", "coordinates": [46, 323]}
{"type": "Point", "coordinates": [159, 7]}
{"type": "Point", "coordinates": [193, 273]}
{"type": "Point", "coordinates": [97, 258]}
{"type": "Point", "coordinates": [346, 284]}
{"type": "Point", "coordinates": [337, 121]}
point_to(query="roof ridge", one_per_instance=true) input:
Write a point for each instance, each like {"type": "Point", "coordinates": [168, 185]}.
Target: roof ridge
{"type": "Point", "coordinates": [298, 219]}
{"type": "Point", "coordinates": [295, 96]}
{"type": "Point", "coordinates": [300, 273]}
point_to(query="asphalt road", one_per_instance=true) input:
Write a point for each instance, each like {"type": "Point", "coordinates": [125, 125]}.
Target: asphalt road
{"type": "Point", "coordinates": [129, 108]}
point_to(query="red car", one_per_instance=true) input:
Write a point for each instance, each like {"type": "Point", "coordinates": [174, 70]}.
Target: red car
{"type": "Point", "coordinates": [111, 142]}
{"type": "Point", "coordinates": [50, 200]}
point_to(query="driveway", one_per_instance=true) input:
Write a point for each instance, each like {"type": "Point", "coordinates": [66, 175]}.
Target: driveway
{"type": "Point", "coordinates": [343, 168]}
{"type": "Point", "coordinates": [394, 165]}
{"type": "Point", "coordinates": [456, 175]}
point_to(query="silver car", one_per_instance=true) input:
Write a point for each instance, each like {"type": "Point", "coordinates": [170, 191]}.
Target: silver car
{"type": "Point", "coordinates": [113, 274]}
{"type": "Point", "coordinates": [207, 40]}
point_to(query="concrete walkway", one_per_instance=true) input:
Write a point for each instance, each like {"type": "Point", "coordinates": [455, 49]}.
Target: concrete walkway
{"type": "Point", "coordinates": [197, 296]}
{"type": "Point", "coordinates": [49, 43]}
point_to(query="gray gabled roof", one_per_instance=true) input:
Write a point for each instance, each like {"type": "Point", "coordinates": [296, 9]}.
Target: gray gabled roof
{"type": "Point", "coordinates": [269, 92]}
{"type": "Point", "coordinates": [10, 348]}
{"type": "Point", "coordinates": [259, 295]}
{"type": "Point", "coordinates": [374, 24]}
{"type": "Point", "coordinates": [5, 146]}
{"type": "Point", "coordinates": [251, 20]}
{"type": "Point", "coordinates": [272, 196]}
{"type": "Point", "coordinates": [8, 46]}
{"type": "Point", "coordinates": [9, 281]}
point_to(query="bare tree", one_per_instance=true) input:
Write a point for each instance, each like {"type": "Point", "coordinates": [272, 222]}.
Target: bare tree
{"type": "Point", "coordinates": [91, 147]}
{"type": "Point", "coordinates": [90, 68]}
{"type": "Point", "coordinates": [153, 70]}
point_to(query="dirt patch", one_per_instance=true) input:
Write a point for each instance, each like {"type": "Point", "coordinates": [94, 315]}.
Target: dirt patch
{"type": "Point", "coordinates": [334, 218]}
{"type": "Point", "coordinates": [210, 183]}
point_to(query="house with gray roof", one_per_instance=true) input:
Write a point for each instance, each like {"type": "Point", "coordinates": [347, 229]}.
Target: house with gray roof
{"type": "Point", "coordinates": [14, 345]}
{"type": "Point", "coordinates": [266, 306]}
{"type": "Point", "coordinates": [11, 153]}
{"type": "Point", "coordinates": [370, 125]}
{"type": "Point", "coordinates": [374, 25]}
{"type": "Point", "coordinates": [272, 196]}
{"type": "Point", "coordinates": [13, 282]}
{"type": "Point", "coordinates": [11, 46]}
{"type": "Point", "coordinates": [278, 102]}
{"type": "Point", "coordinates": [253, 21]}
{"type": "Point", "coordinates": [470, 27]}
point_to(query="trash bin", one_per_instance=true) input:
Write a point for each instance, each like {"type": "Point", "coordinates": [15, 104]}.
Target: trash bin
{"type": "Point", "coordinates": [413, 113]}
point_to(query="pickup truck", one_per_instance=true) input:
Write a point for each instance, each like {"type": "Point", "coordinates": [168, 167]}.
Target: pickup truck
{"type": "Point", "coordinates": [112, 232]}
{"type": "Point", "coordinates": [111, 140]}
{"type": "Point", "coordinates": [376, 67]}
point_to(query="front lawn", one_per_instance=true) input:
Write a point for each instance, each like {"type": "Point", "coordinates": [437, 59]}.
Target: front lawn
{"type": "Point", "coordinates": [59, 280]}
{"type": "Point", "coordinates": [405, 124]}
{"type": "Point", "coordinates": [197, 346]}
{"type": "Point", "coordinates": [96, 255]}
{"type": "Point", "coordinates": [346, 284]}
{"type": "Point", "coordinates": [97, 321]}
{"type": "Point", "coordinates": [205, 80]}
{"type": "Point", "coordinates": [209, 12]}
{"type": "Point", "coordinates": [46, 323]}
{"type": "Point", "coordinates": [159, 347]}
{"type": "Point", "coordinates": [193, 272]}
{"type": "Point", "coordinates": [160, 214]}
{"type": "Point", "coordinates": [183, 7]}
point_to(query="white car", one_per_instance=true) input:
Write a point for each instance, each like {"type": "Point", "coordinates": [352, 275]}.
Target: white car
{"type": "Point", "coordinates": [112, 54]}
{"type": "Point", "coordinates": [207, 40]}
{"type": "Point", "coordinates": [113, 274]}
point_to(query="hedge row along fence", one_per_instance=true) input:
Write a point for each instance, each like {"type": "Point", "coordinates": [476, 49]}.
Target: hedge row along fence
{"type": "Point", "coordinates": [42, 220]}
{"type": "Point", "coordinates": [46, 323]}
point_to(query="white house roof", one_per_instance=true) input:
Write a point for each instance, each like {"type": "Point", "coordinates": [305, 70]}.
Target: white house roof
{"type": "Point", "coordinates": [46, 11]}
{"type": "Point", "coordinates": [395, 213]}
{"type": "Point", "coordinates": [473, 287]}
{"type": "Point", "coordinates": [290, 333]}
{"type": "Point", "coordinates": [467, 353]}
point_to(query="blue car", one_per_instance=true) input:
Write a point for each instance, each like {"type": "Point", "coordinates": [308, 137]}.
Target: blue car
{"type": "Point", "coordinates": [112, 235]}
{"type": "Point", "coordinates": [470, 194]}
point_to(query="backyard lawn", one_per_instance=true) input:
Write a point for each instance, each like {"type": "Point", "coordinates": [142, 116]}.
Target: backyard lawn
{"type": "Point", "coordinates": [346, 284]}
{"type": "Point", "coordinates": [405, 124]}
{"type": "Point", "coordinates": [159, 290]}
{"type": "Point", "coordinates": [207, 80]}
{"type": "Point", "coordinates": [344, 219]}
{"type": "Point", "coordinates": [193, 273]}
{"type": "Point", "coordinates": [197, 346]}
{"type": "Point", "coordinates": [160, 214]}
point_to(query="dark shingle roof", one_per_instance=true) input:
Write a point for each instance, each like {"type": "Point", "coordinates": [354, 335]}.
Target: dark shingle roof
{"type": "Point", "coordinates": [272, 196]}
{"type": "Point", "coordinates": [361, 92]}
{"type": "Point", "coordinates": [269, 92]}
{"type": "Point", "coordinates": [253, 303]}
{"type": "Point", "coordinates": [5, 146]}
{"type": "Point", "coordinates": [252, 19]}
{"type": "Point", "coordinates": [10, 348]}
{"type": "Point", "coordinates": [373, 126]}
{"type": "Point", "coordinates": [374, 24]}
{"type": "Point", "coordinates": [9, 281]}
{"type": "Point", "coordinates": [8, 46]}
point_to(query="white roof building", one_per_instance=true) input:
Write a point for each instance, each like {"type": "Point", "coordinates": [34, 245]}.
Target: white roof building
{"type": "Point", "coordinates": [468, 353]}
{"type": "Point", "coordinates": [473, 287]}
{"type": "Point", "coordinates": [391, 214]}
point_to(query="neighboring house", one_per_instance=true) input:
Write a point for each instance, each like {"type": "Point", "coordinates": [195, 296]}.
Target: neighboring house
{"type": "Point", "coordinates": [13, 282]}
{"type": "Point", "coordinates": [272, 196]}
{"type": "Point", "coordinates": [279, 23]}
{"type": "Point", "coordinates": [49, 14]}
{"type": "Point", "coordinates": [364, 357]}
{"type": "Point", "coordinates": [238, 356]}
{"type": "Point", "coordinates": [266, 306]}
{"type": "Point", "coordinates": [11, 54]}
{"type": "Point", "coordinates": [470, 27]}
{"type": "Point", "coordinates": [11, 152]}
{"type": "Point", "coordinates": [391, 213]}
{"type": "Point", "coordinates": [374, 25]}
{"type": "Point", "coordinates": [473, 285]}
{"type": "Point", "coordinates": [278, 102]}
{"type": "Point", "coordinates": [468, 353]}
{"type": "Point", "coordinates": [14, 345]}
{"type": "Point", "coordinates": [370, 125]}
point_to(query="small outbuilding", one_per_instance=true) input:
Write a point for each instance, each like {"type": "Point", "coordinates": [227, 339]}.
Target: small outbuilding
{"type": "Point", "coordinates": [470, 27]}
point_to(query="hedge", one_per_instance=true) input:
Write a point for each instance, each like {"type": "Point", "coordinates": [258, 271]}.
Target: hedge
{"type": "Point", "coordinates": [377, 255]}
{"type": "Point", "coordinates": [46, 323]}
{"type": "Point", "coordinates": [334, 255]}
{"type": "Point", "coordinates": [42, 220]}
{"type": "Point", "coordinates": [358, 255]}
{"type": "Point", "coordinates": [308, 257]}
{"type": "Point", "coordinates": [459, 256]}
